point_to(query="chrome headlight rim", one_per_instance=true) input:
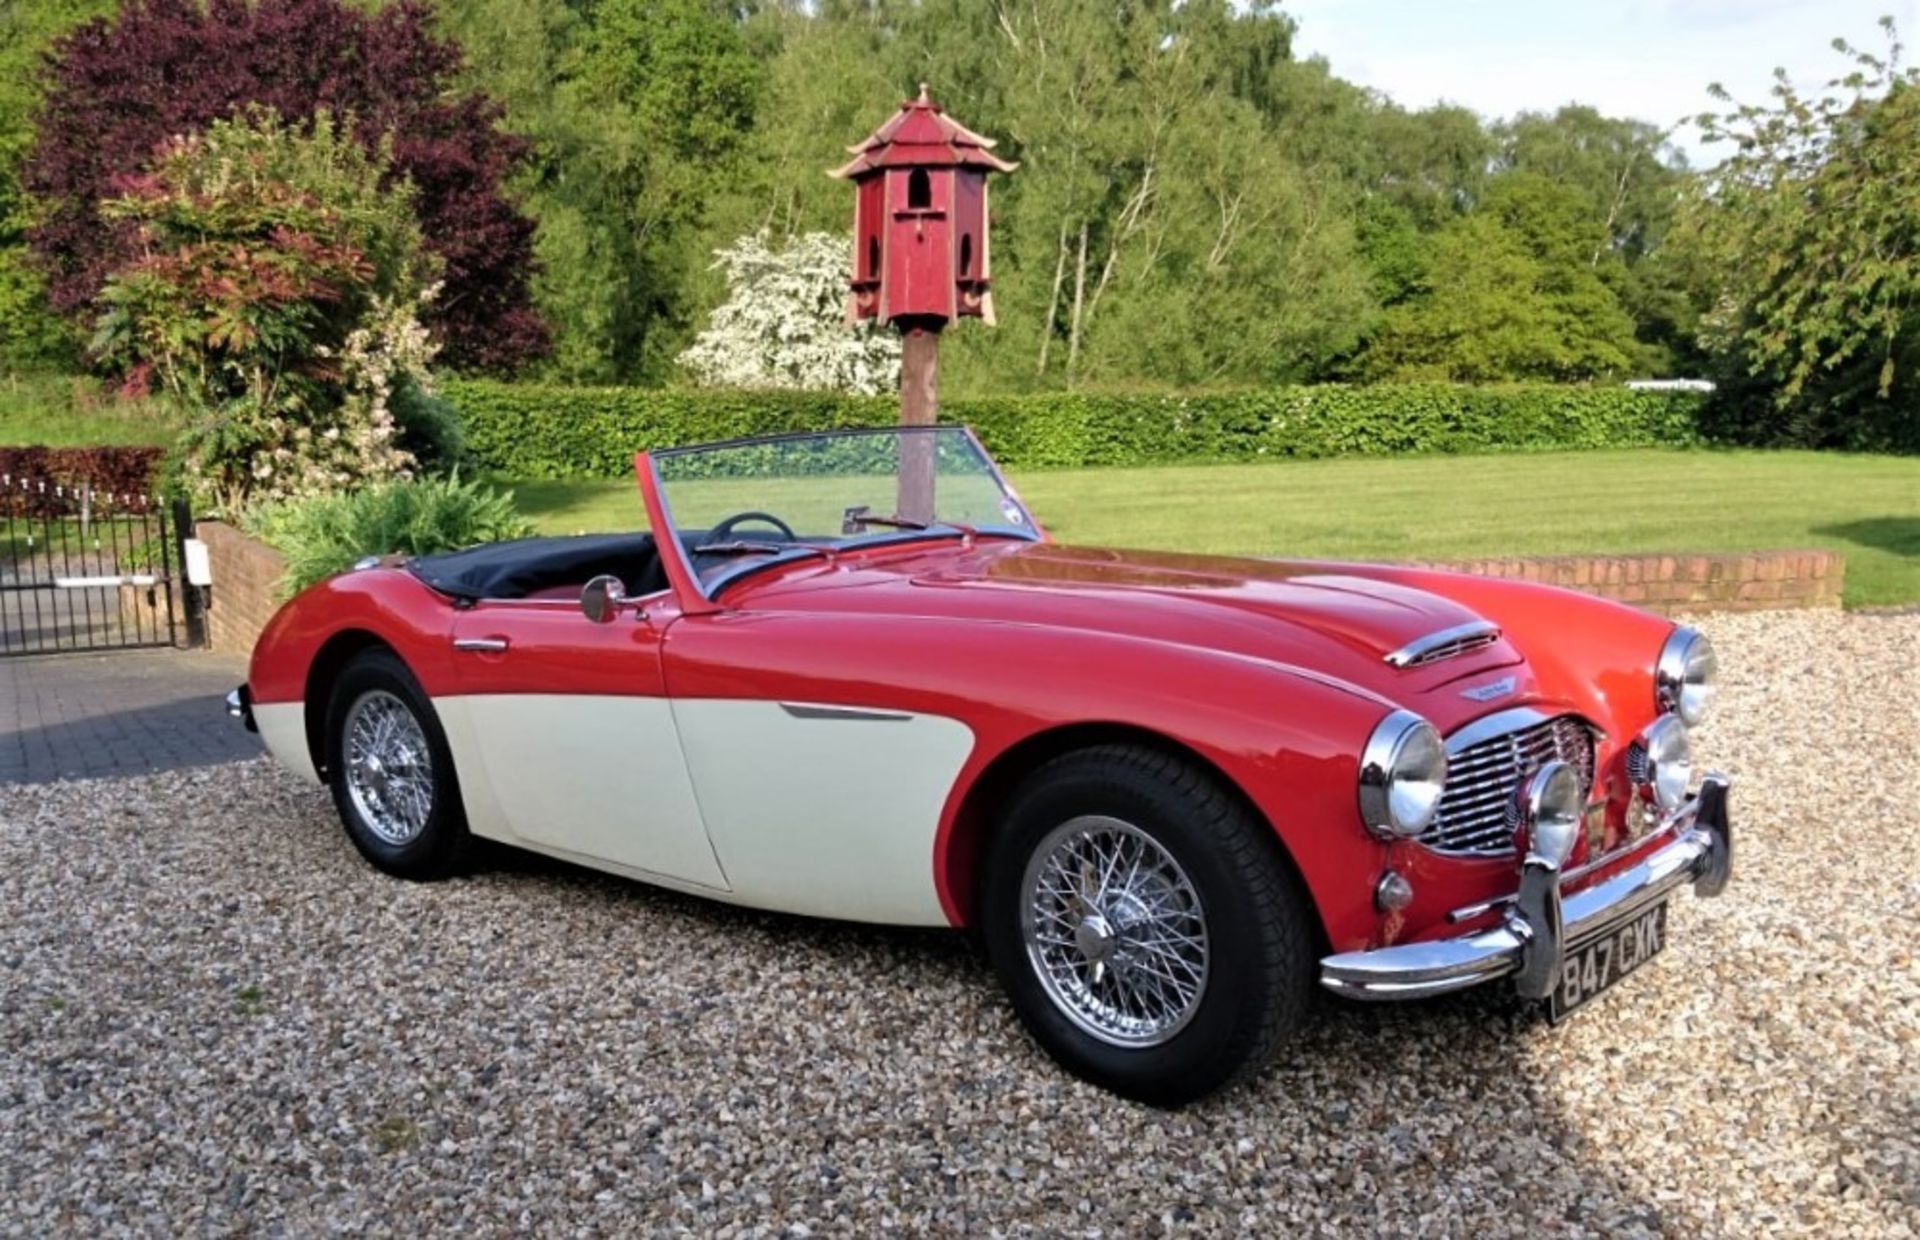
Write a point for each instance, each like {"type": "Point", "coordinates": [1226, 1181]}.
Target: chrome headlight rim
{"type": "Point", "coordinates": [1685, 675]}
{"type": "Point", "coordinates": [1403, 750]}
{"type": "Point", "coordinates": [1665, 762]}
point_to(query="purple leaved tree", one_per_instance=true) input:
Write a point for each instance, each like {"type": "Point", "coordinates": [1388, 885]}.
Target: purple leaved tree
{"type": "Point", "coordinates": [118, 87]}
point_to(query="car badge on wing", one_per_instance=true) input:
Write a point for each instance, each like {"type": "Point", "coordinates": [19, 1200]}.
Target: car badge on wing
{"type": "Point", "coordinates": [1491, 690]}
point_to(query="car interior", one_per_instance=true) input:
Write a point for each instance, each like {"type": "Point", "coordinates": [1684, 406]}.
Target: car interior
{"type": "Point", "coordinates": [539, 568]}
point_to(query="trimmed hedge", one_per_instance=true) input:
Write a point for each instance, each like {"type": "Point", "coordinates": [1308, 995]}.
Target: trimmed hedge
{"type": "Point", "coordinates": [119, 476]}
{"type": "Point", "coordinates": [531, 431]}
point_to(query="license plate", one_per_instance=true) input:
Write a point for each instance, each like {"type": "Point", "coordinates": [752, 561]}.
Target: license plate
{"type": "Point", "coordinates": [1596, 965]}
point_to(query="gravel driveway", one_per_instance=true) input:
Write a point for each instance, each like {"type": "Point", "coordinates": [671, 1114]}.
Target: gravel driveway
{"type": "Point", "coordinates": [214, 1018]}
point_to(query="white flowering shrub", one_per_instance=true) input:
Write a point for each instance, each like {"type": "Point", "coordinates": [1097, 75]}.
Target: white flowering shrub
{"type": "Point", "coordinates": [783, 324]}
{"type": "Point", "coordinates": [321, 442]}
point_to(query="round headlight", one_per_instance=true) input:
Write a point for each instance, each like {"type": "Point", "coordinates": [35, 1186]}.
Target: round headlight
{"type": "Point", "coordinates": [1551, 804]}
{"type": "Point", "coordinates": [1685, 674]}
{"type": "Point", "coordinates": [1403, 771]}
{"type": "Point", "coordinates": [1661, 762]}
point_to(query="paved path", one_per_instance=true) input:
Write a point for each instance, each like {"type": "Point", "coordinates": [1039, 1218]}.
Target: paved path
{"type": "Point", "coordinates": [80, 716]}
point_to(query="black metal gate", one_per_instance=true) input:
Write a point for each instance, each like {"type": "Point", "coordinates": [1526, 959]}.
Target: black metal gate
{"type": "Point", "coordinates": [91, 570]}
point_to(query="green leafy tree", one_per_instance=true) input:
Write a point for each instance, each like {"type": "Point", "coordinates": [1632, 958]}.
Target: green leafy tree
{"type": "Point", "coordinates": [30, 332]}
{"type": "Point", "coordinates": [638, 111]}
{"type": "Point", "coordinates": [1195, 204]}
{"type": "Point", "coordinates": [1812, 227]}
{"type": "Point", "coordinates": [1163, 226]}
{"type": "Point", "coordinates": [275, 297]}
{"type": "Point", "coordinates": [1631, 178]}
{"type": "Point", "coordinates": [1512, 292]}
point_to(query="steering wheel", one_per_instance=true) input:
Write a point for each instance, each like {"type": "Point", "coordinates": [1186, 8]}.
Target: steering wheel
{"type": "Point", "coordinates": [722, 531]}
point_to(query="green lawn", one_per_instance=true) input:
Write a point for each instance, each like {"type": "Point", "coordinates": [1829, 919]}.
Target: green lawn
{"type": "Point", "coordinates": [1454, 507]}
{"type": "Point", "coordinates": [57, 411]}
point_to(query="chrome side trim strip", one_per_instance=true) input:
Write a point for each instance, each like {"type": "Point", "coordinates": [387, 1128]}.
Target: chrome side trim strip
{"type": "Point", "coordinates": [1420, 648]}
{"type": "Point", "coordinates": [814, 710]}
{"type": "Point", "coordinates": [487, 645]}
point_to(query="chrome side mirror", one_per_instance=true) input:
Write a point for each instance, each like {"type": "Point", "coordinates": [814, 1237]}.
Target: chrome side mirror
{"type": "Point", "coordinates": [602, 598]}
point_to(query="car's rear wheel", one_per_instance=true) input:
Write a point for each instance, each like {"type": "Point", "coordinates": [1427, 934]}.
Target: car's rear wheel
{"type": "Point", "coordinates": [1151, 932]}
{"type": "Point", "coordinates": [391, 771]}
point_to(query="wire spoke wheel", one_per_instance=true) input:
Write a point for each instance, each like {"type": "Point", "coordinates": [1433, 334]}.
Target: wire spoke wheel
{"type": "Point", "coordinates": [388, 767]}
{"type": "Point", "coordinates": [1115, 931]}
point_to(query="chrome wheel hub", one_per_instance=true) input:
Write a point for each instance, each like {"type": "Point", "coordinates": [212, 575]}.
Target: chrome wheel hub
{"type": "Point", "coordinates": [389, 772]}
{"type": "Point", "coordinates": [1115, 931]}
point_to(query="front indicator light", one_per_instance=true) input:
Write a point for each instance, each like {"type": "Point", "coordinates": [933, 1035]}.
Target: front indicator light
{"type": "Point", "coordinates": [1393, 892]}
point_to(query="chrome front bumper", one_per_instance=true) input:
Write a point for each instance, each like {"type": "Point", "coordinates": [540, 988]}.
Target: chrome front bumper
{"type": "Point", "coordinates": [1542, 925]}
{"type": "Point", "coordinates": [240, 706]}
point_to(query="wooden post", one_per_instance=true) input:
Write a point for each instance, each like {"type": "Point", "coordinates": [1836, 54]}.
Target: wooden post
{"type": "Point", "coordinates": [919, 406]}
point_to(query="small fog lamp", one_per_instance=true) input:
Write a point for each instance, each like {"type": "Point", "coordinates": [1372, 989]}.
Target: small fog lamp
{"type": "Point", "coordinates": [1550, 807]}
{"type": "Point", "coordinates": [1660, 762]}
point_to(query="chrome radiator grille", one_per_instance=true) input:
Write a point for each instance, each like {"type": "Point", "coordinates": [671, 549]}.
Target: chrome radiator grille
{"type": "Point", "coordinates": [1483, 777]}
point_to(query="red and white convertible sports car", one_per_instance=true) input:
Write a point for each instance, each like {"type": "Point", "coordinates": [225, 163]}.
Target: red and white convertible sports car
{"type": "Point", "coordinates": [847, 675]}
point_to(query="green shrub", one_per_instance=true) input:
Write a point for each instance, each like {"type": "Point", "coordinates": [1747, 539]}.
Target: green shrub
{"type": "Point", "coordinates": [326, 534]}
{"type": "Point", "coordinates": [428, 429]}
{"type": "Point", "coordinates": [274, 296]}
{"type": "Point", "coordinates": [530, 431]}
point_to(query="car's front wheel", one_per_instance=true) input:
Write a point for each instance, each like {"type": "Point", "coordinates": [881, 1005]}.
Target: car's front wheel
{"type": "Point", "coordinates": [1150, 930]}
{"type": "Point", "coordinates": [391, 771]}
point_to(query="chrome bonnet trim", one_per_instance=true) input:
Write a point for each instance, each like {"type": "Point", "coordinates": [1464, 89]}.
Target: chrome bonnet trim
{"type": "Point", "coordinates": [1499, 723]}
{"type": "Point", "coordinates": [1420, 649]}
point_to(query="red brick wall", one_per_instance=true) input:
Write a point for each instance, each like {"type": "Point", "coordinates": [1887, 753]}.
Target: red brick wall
{"type": "Point", "coordinates": [246, 574]}
{"type": "Point", "coordinates": [1754, 581]}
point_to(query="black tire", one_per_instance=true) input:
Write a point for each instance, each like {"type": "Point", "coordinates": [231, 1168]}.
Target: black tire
{"type": "Point", "coordinates": [441, 842]}
{"type": "Point", "coordinates": [1260, 931]}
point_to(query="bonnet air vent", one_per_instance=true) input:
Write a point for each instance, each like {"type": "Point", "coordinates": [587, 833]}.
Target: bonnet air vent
{"type": "Point", "coordinates": [1445, 644]}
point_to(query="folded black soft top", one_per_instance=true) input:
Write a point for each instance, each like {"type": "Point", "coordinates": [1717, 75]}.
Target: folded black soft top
{"type": "Point", "coordinates": [529, 565]}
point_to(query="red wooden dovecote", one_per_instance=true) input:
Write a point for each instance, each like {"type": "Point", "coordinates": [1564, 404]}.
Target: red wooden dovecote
{"type": "Point", "coordinates": [920, 219]}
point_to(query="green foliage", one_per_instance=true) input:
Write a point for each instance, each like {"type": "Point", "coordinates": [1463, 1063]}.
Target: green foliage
{"type": "Point", "coordinates": [637, 110]}
{"type": "Point", "coordinates": [525, 431]}
{"type": "Point", "coordinates": [274, 300]}
{"type": "Point", "coordinates": [427, 428]}
{"type": "Point", "coordinates": [1812, 229]}
{"type": "Point", "coordinates": [73, 410]}
{"type": "Point", "coordinates": [1521, 288]}
{"type": "Point", "coordinates": [325, 534]}
{"type": "Point", "coordinates": [1195, 206]}
{"type": "Point", "coordinates": [31, 334]}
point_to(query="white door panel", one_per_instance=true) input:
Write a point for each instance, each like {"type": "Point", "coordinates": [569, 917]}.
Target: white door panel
{"type": "Point", "coordinates": [823, 810]}
{"type": "Point", "coordinates": [595, 777]}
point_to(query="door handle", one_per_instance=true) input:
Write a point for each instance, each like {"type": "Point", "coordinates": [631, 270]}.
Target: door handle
{"type": "Point", "coordinates": [481, 645]}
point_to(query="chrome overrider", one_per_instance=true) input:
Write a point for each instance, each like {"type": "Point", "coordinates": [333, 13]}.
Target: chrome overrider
{"type": "Point", "coordinates": [1542, 924]}
{"type": "Point", "coordinates": [240, 706]}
